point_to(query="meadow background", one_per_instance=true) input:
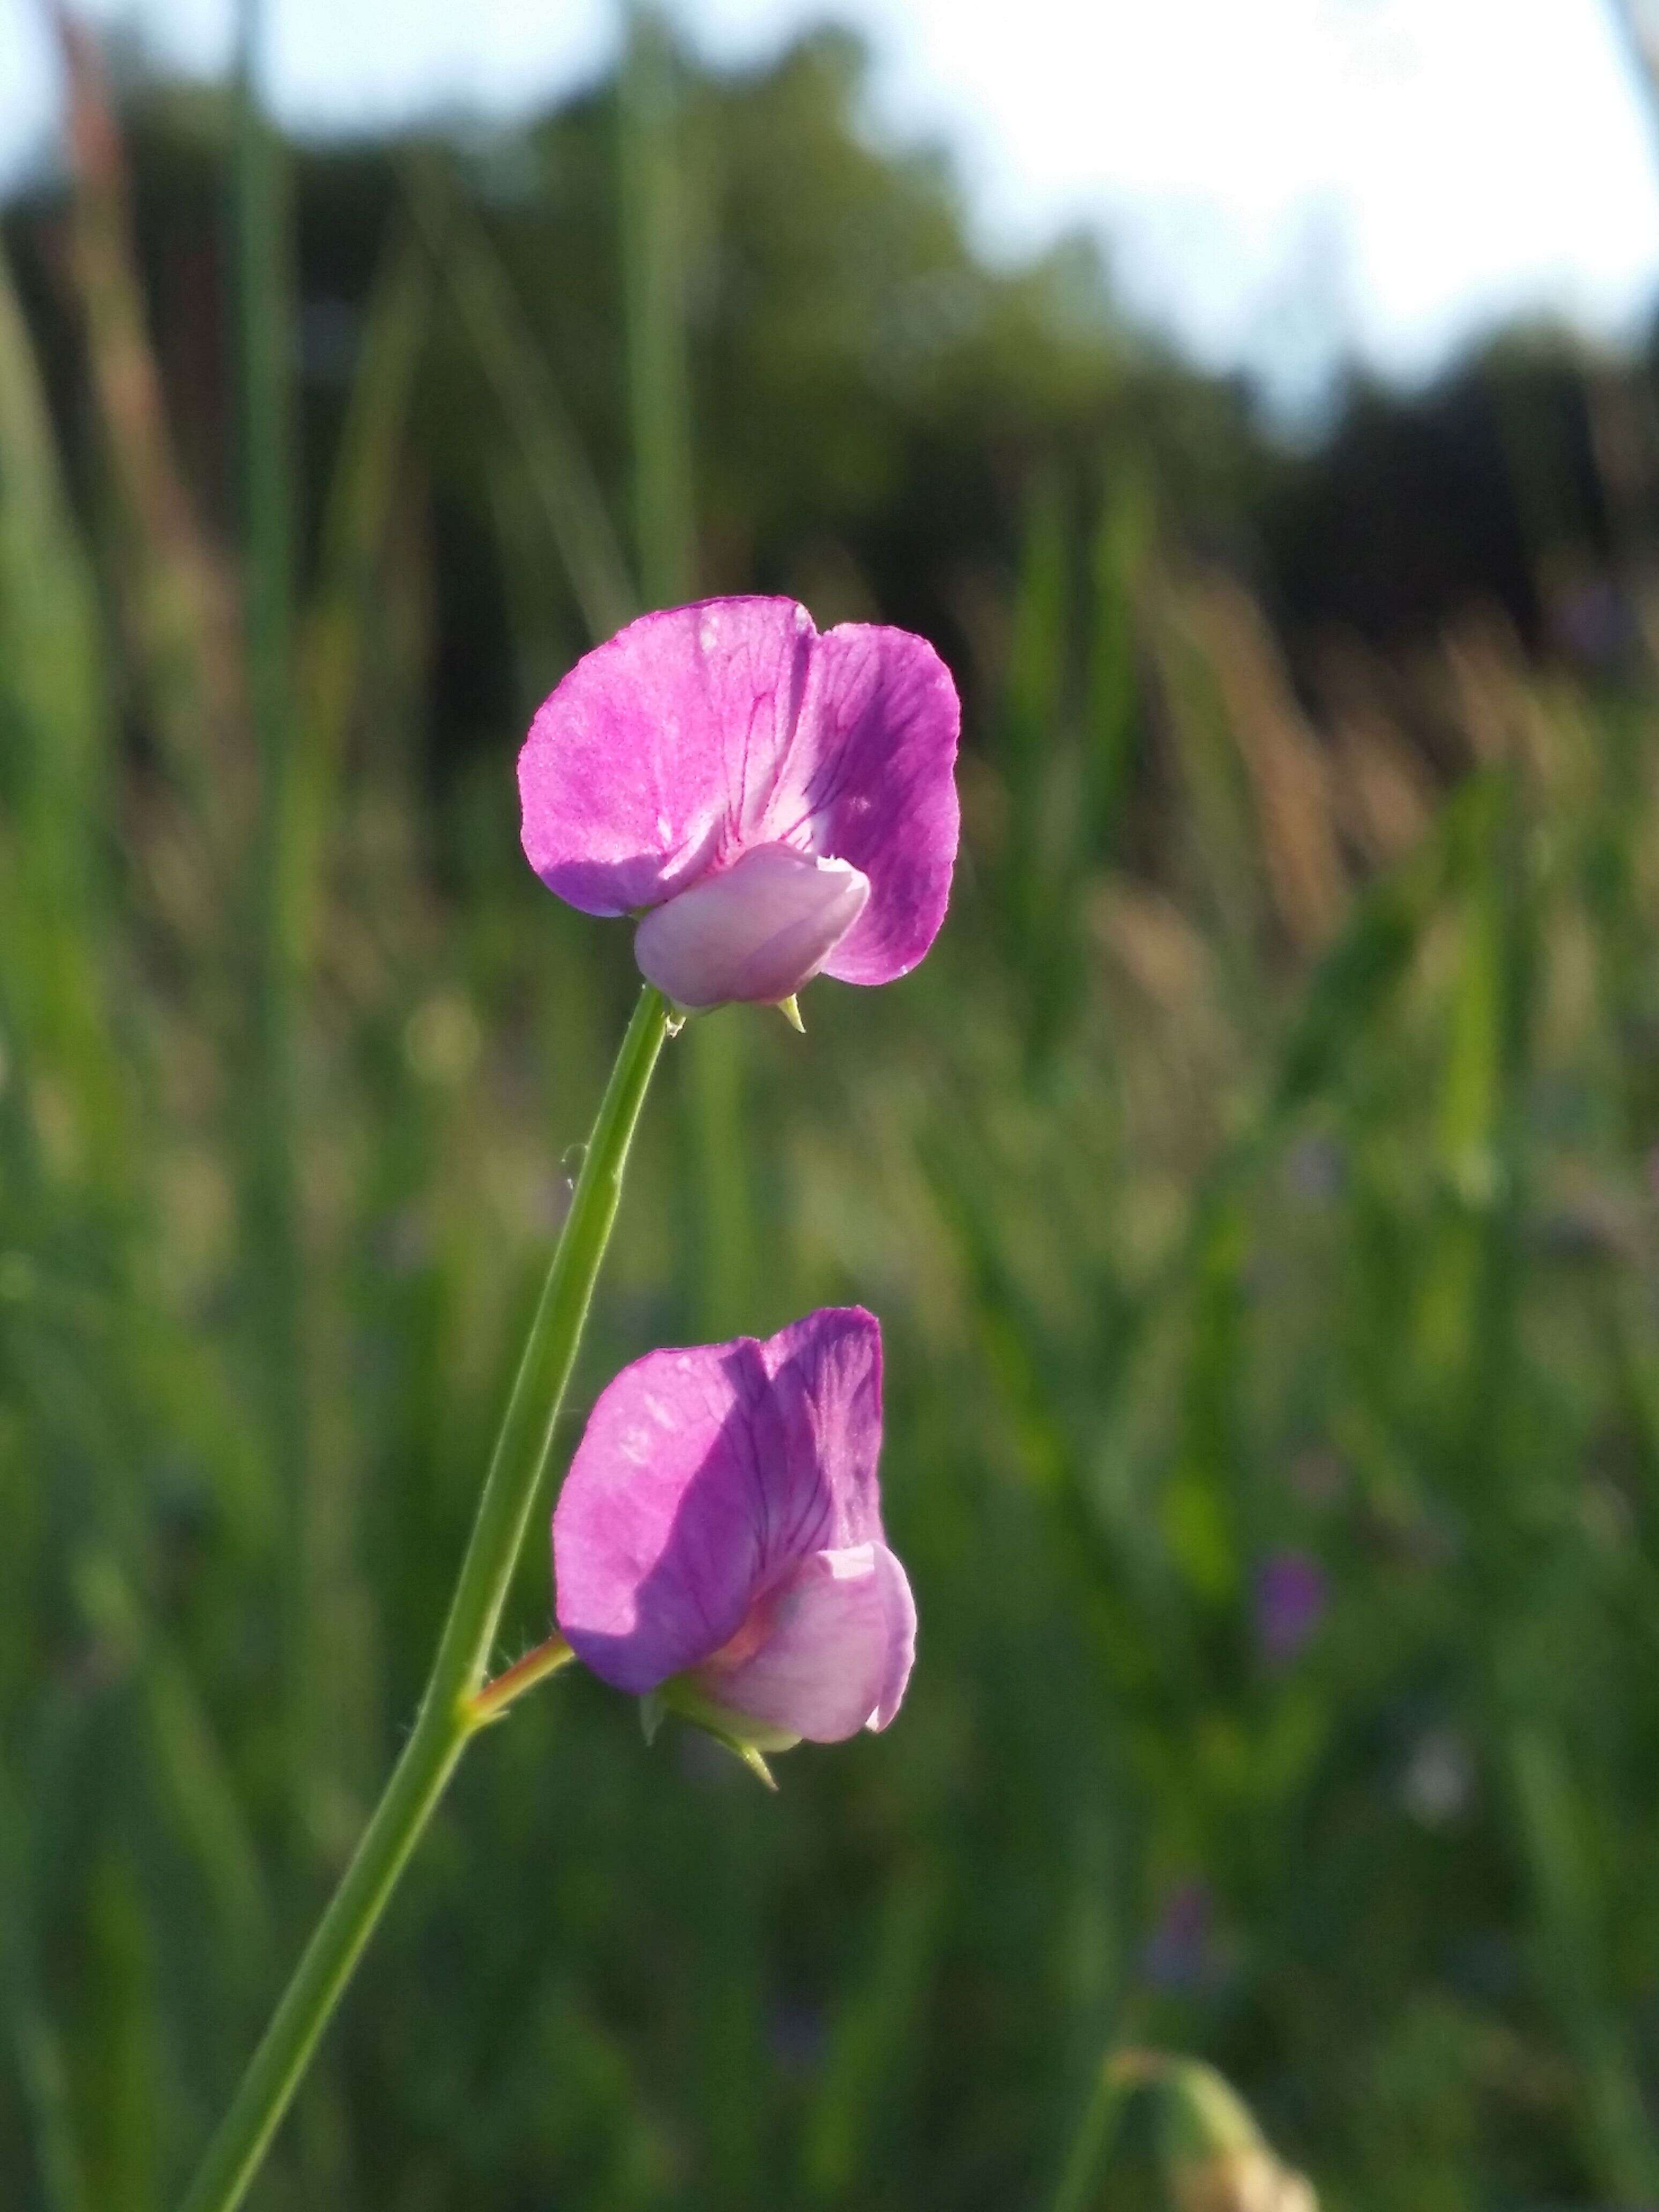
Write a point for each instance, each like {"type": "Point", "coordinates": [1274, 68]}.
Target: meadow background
{"type": "Point", "coordinates": [1259, 1185]}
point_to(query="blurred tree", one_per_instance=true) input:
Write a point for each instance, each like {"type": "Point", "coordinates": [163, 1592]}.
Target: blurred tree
{"type": "Point", "coordinates": [868, 393]}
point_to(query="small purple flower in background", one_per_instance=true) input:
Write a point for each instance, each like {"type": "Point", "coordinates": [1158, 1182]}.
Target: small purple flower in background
{"type": "Point", "coordinates": [718, 1546]}
{"type": "Point", "coordinates": [780, 804]}
{"type": "Point", "coordinates": [1292, 1593]}
{"type": "Point", "coordinates": [1179, 1951]}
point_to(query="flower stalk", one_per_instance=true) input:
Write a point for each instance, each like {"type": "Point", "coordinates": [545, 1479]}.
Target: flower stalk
{"type": "Point", "coordinates": [490, 1703]}
{"type": "Point", "coordinates": [456, 1704]}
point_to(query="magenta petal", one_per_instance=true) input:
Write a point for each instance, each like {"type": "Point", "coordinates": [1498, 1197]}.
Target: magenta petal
{"type": "Point", "coordinates": [826, 1647]}
{"type": "Point", "coordinates": [874, 764]}
{"type": "Point", "coordinates": [758, 931]}
{"type": "Point", "coordinates": [702, 1477]}
{"type": "Point", "coordinates": [705, 734]}
{"type": "Point", "coordinates": [657, 755]}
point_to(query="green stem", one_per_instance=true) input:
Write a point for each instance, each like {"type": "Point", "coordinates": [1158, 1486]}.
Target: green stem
{"type": "Point", "coordinates": [274, 1242]}
{"type": "Point", "coordinates": [1094, 2136]}
{"type": "Point", "coordinates": [652, 185]}
{"type": "Point", "coordinates": [451, 1710]}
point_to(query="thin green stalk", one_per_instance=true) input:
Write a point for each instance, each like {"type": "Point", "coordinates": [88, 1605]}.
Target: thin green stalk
{"type": "Point", "coordinates": [274, 1239]}
{"type": "Point", "coordinates": [1087, 2158]}
{"type": "Point", "coordinates": [557, 470]}
{"type": "Point", "coordinates": [510, 1684]}
{"type": "Point", "coordinates": [654, 193]}
{"type": "Point", "coordinates": [451, 1710]}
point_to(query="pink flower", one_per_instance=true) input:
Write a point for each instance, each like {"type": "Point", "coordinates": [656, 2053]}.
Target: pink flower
{"type": "Point", "coordinates": [719, 1537]}
{"type": "Point", "coordinates": [779, 804]}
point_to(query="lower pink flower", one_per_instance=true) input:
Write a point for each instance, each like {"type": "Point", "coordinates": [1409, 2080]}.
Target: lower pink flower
{"type": "Point", "coordinates": [718, 1537]}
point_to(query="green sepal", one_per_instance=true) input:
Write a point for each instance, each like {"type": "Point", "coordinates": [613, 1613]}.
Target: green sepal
{"type": "Point", "coordinates": [745, 1738]}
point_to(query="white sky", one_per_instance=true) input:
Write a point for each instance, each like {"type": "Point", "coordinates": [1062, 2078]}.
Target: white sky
{"type": "Point", "coordinates": [1279, 180]}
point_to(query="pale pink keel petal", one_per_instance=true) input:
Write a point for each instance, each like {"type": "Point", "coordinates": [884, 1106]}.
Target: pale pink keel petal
{"type": "Point", "coordinates": [818, 1654]}
{"type": "Point", "coordinates": [702, 1477]}
{"type": "Point", "coordinates": [758, 931]}
{"type": "Point", "coordinates": [656, 757]}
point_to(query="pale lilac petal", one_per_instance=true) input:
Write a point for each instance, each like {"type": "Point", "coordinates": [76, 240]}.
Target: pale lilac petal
{"type": "Point", "coordinates": [703, 1476]}
{"type": "Point", "coordinates": [871, 779]}
{"type": "Point", "coordinates": [901, 1610]}
{"type": "Point", "coordinates": [818, 1659]}
{"type": "Point", "coordinates": [657, 757]}
{"type": "Point", "coordinates": [759, 931]}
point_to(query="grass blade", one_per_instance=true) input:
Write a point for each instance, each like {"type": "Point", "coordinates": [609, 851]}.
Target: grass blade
{"type": "Point", "coordinates": [558, 470]}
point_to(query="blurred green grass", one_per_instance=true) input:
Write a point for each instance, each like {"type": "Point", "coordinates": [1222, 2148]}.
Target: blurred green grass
{"type": "Point", "coordinates": [1264, 1159]}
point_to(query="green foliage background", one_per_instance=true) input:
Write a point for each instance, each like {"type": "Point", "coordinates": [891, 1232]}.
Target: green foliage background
{"type": "Point", "coordinates": [1264, 1159]}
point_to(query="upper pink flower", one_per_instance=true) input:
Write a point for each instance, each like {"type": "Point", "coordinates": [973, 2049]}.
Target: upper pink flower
{"type": "Point", "coordinates": [783, 803]}
{"type": "Point", "coordinates": [719, 1531]}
